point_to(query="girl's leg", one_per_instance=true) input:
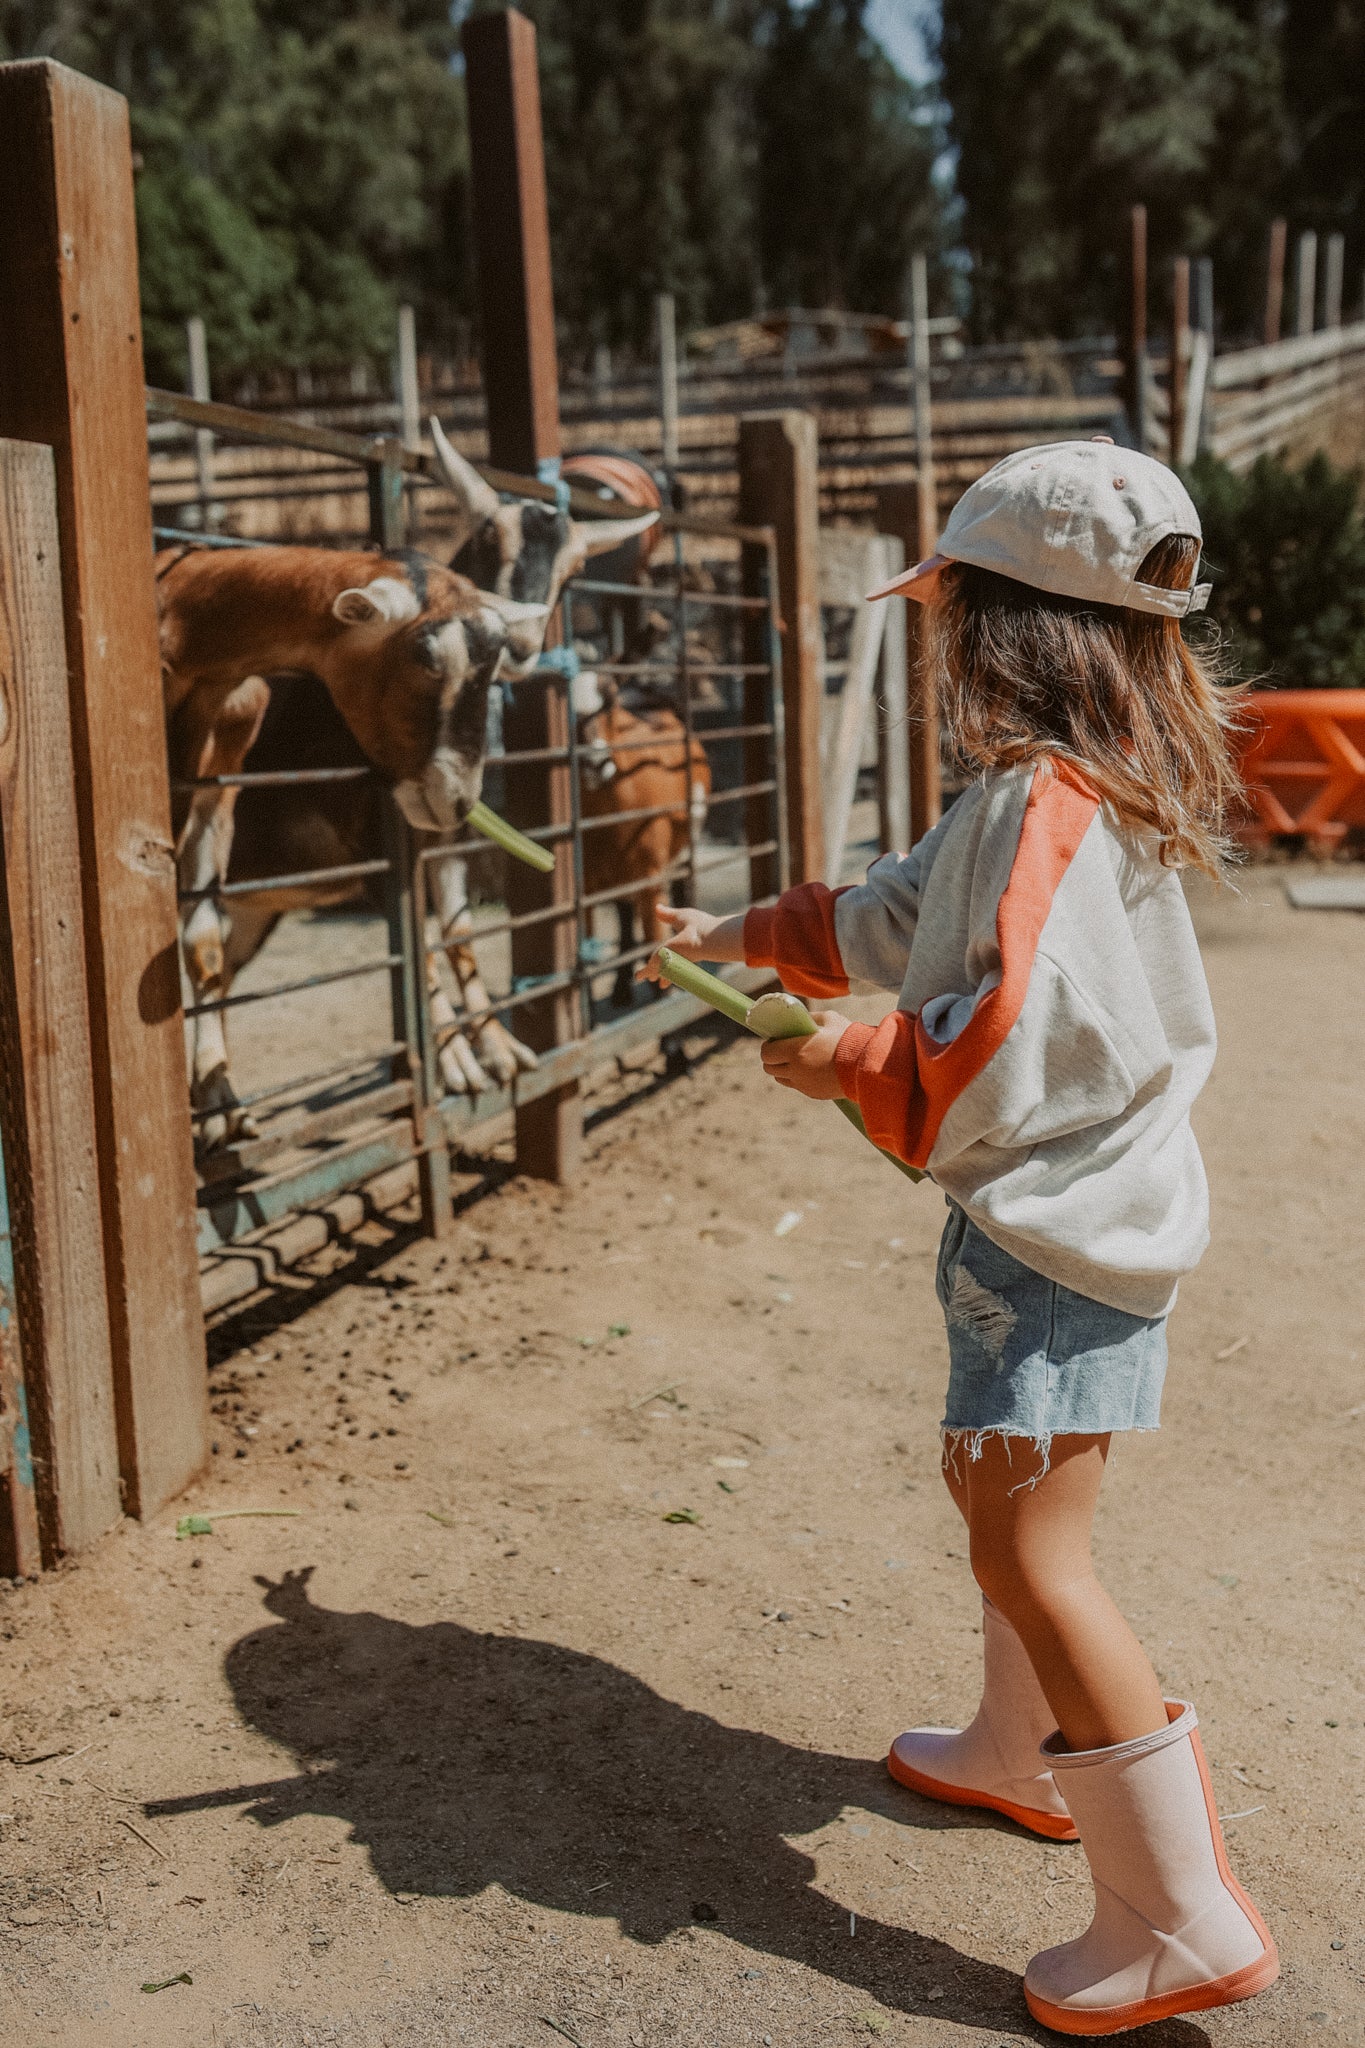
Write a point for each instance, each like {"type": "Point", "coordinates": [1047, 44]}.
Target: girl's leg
{"type": "Point", "coordinates": [1030, 1550]}
{"type": "Point", "coordinates": [994, 1761]}
{"type": "Point", "coordinates": [954, 1469]}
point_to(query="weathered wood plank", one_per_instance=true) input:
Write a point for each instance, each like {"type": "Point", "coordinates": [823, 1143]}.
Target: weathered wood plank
{"type": "Point", "coordinates": [71, 375]}
{"type": "Point", "coordinates": [779, 487]}
{"type": "Point", "coordinates": [841, 771]}
{"type": "Point", "coordinates": [50, 1109]}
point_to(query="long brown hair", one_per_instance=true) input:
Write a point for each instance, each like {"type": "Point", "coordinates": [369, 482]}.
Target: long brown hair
{"type": "Point", "coordinates": [1024, 676]}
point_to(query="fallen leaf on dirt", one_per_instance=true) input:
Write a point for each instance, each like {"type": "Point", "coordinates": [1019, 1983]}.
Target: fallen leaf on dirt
{"type": "Point", "coordinates": [682, 1515]}
{"type": "Point", "coordinates": [165, 1983]}
{"type": "Point", "coordinates": [446, 1521]}
{"type": "Point", "coordinates": [875, 2022]}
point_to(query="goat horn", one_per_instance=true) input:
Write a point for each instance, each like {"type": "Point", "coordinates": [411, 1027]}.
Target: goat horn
{"type": "Point", "coordinates": [476, 497]}
{"type": "Point", "coordinates": [600, 536]}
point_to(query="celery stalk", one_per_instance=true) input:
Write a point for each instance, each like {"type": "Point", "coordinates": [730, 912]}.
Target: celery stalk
{"type": "Point", "coordinates": [509, 839]}
{"type": "Point", "coordinates": [769, 1016]}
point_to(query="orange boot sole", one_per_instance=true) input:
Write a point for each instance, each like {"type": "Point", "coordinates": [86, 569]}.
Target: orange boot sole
{"type": "Point", "coordinates": [1053, 1827]}
{"type": "Point", "coordinates": [1144, 2012]}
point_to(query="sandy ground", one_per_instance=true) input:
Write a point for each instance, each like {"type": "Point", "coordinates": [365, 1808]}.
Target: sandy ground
{"type": "Point", "coordinates": [487, 1746]}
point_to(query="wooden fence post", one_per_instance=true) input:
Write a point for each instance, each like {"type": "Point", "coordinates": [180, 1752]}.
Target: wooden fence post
{"type": "Point", "coordinates": [71, 374]}
{"type": "Point", "coordinates": [1274, 281]}
{"type": "Point", "coordinates": [1305, 282]}
{"type": "Point", "coordinates": [407, 388]}
{"type": "Point", "coordinates": [666, 312]}
{"type": "Point", "coordinates": [1180, 357]}
{"type": "Point", "coordinates": [197, 347]}
{"type": "Point", "coordinates": [779, 487]}
{"type": "Point", "coordinates": [921, 405]}
{"type": "Point", "coordinates": [1136, 367]}
{"type": "Point", "coordinates": [893, 756]}
{"type": "Point", "coordinates": [521, 380]}
{"type": "Point", "coordinates": [1334, 273]}
{"type": "Point", "coordinates": [899, 511]}
{"type": "Point", "coordinates": [47, 1104]}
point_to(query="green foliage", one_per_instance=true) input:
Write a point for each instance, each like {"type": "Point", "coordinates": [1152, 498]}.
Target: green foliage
{"type": "Point", "coordinates": [301, 166]}
{"type": "Point", "coordinates": [304, 164]}
{"type": "Point", "coordinates": [649, 152]}
{"type": "Point", "coordinates": [845, 163]}
{"type": "Point", "coordinates": [734, 152]}
{"type": "Point", "coordinates": [1067, 112]}
{"type": "Point", "coordinates": [1324, 78]}
{"type": "Point", "coordinates": [1285, 548]}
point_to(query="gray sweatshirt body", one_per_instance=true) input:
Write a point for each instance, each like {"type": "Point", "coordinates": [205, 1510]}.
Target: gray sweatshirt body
{"type": "Point", "coordinates": [1052, 1029]}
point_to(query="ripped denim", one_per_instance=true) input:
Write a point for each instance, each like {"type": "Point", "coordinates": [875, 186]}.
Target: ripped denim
{"type": "Point", "coordinates": [1028, 1358]}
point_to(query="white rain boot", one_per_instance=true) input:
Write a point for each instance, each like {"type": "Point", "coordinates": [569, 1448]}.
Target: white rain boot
{"type": "Point", "coordinates": [995, 1761]}
{"type": "Point", "coordinates": [1173, 1930]}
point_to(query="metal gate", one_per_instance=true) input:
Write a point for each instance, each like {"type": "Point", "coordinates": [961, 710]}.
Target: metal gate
{"type": "Point", "coordinates": [694, 641]}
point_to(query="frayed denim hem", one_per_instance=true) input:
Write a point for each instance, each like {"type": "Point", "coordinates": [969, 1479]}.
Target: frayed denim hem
{"type": "Point", "coordinates": [955, 1439]}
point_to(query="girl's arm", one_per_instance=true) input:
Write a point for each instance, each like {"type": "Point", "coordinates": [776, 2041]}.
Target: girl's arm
{"type": "Point", "coordinates": [697, 935]}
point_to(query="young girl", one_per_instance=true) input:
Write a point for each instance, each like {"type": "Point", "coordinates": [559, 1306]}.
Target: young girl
{"type": "Point", "coordinates": [1052, 1030]}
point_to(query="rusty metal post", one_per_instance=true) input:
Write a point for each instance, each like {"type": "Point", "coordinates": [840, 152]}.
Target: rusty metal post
{"type": "Point", "coordinates": [521, 384]}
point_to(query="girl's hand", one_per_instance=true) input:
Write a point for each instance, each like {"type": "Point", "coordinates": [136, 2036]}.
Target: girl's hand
{"type": "Point", "coordinates": [807, 1064]}
{"type": "Point", "coordinates": [696, 935]}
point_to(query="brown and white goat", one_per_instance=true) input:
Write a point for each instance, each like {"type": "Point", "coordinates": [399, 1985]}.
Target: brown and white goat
{"type": "Point", "coordinates": [521, 549]}
{"type": "Point", "coordinates": [406, 650]}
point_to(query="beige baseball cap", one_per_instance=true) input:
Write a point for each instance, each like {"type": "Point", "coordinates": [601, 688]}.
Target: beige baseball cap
{"type": "Point", "coordinates": [1076, 518]}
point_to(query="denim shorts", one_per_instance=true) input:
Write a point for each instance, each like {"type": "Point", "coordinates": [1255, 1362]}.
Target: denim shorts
{"type": "Point", "coordinates": [1029, 1358]}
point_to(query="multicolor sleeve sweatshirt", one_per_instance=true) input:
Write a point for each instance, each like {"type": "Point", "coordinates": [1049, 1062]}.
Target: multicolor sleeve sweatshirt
{"type": "Point", "coordinates": [1052, 1029]}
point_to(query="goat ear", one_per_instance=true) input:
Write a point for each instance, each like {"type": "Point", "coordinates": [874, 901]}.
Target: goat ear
{"type": "Point", "coordinates": [600, 536]}
{"type": "Point", "coordinates": [355, 608]}
{"type": "Point", "coordinates": [386, 597]}
{"type": "Point", "coordinates": [475, 497]}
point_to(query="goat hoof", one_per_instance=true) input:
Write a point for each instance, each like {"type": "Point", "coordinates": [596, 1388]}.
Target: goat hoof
{"type": "Point", "coordinates": [460, 1071]}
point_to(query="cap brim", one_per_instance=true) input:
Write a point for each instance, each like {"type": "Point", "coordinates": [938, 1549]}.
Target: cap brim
{"type": "Point", "coordinates": [918, 583]}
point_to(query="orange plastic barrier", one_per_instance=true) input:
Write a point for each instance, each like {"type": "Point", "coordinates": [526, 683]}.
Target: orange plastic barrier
{"type": "Point", "coordinates": [1303, 761]}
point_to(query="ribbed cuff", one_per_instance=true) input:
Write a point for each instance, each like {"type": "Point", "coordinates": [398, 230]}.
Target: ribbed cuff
{"type": "Point", "coordinates": [760, 936]}
{"type": "Point", "coordinates": [849, 1052]}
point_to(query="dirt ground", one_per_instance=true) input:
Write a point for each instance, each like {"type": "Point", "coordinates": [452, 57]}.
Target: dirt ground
{"type": "Point", "coordinates": [559, 1710]}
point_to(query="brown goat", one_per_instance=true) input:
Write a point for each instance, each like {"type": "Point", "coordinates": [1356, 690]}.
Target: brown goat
{"type": "Point", "coordinates": [407, 651]}
{"type": "Point", "coordinates": [637, 761]}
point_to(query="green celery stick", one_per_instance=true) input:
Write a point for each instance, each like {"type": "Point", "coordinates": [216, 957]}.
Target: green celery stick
{"type": "Point", "coordinates": [509, 839]}
{"type": "Point", "coordinates": [769, 1016]}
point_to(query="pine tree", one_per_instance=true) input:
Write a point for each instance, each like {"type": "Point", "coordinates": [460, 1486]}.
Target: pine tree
{"type": "Point", "coordinates": [846, 158]}
{"type": "Point", "coordinates": [1066, 112]}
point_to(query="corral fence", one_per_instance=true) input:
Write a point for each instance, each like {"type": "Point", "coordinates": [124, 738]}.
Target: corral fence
{"type": "Point", "coordinates": [108, 1214]}
{"type": "Point", "coordinates": [715, 660]}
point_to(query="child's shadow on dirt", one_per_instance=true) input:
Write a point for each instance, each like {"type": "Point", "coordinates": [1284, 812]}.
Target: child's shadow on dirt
{"type": "Point", "coordinates": [463, 1760]}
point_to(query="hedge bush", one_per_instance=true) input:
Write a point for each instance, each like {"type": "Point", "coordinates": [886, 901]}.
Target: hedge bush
{"type": "Point", "coordinates": [1285, 549]}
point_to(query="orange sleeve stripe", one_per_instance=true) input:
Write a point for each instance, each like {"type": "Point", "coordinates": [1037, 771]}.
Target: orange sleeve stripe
{"type": "Point", "coordinates": [903, 1080]}
{"type": "Point", "coordinates": [796, 936]}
